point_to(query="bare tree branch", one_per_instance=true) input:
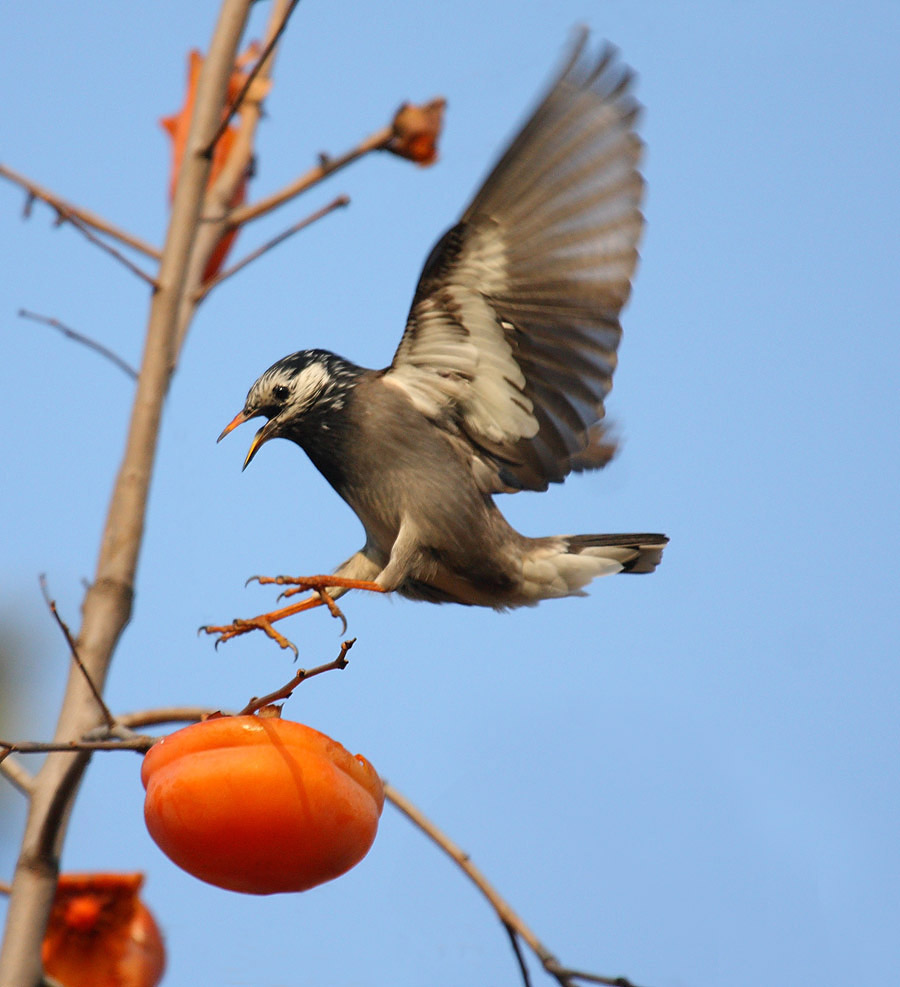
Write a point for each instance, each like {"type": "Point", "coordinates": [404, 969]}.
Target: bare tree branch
{"type": "Point", "coordinates": [73, 649]}
{"type": "Point", "coordinates": [302, 675]}
{"type": "Point", "coordinates": [80, 338]}
{"type": "Point", "coordinates": [565, 975]}
{"type": "Point", "coordinates": [219, 196]}
{"type": "Point", "coordinates": [511, 921]}
{"type": "Point", "coordinates": [139, 742]}
{"type": "Point", "coordinates": [16, 773]}
{"type": "Point", "coordinates": [66, 211]}
{"type": "Point", "coordinates": [274, 36]}
{"type": "Point", "coordinates": [517, 949]}
{"type": "Point", "coordinates": [128, 741]}
{"type": "Point", "coordinates": [165, 715]}
{"type": "Point", "coordinates": [107, 604]}
{"type": "Point", "coordinates": [326, 166]}
{"type": "Point", "coordinates": [85, 231]}
{"type": "Point", "coordinates": [207, 286]}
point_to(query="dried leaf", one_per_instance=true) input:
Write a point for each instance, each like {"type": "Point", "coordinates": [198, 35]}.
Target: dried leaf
{"type": "Point", "coordinates": [416, 130]}
{"type": "Point", "coordinates": [178, 125]}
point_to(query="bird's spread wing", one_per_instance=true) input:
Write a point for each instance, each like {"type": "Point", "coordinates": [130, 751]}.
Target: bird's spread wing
{"type": "Point", "coordinates": [512, 335]}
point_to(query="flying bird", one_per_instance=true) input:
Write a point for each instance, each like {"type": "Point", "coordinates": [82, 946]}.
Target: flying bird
{"type": "Point", "coordinates": [499, 380]}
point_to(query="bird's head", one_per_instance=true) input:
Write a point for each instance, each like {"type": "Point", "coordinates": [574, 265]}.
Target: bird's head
{"type": "Point", "coordinates": [289, 390]}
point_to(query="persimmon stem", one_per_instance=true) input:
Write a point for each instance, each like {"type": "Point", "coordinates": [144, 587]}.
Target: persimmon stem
{"type": "Point", "coordinates": [302, 675]}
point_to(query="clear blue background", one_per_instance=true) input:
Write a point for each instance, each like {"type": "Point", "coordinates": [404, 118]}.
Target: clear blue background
{"type": "Point", "coordinates": [686, 779]}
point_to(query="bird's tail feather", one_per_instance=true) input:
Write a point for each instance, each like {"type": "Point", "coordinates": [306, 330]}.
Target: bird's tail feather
{"type": "Point", "coordinates": [637, 553]}
{"type": "Point", "coordinates": [563, 566]}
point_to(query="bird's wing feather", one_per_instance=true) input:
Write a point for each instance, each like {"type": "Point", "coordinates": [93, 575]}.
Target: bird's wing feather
{"type": "Point", "coordinates": [512, 335]}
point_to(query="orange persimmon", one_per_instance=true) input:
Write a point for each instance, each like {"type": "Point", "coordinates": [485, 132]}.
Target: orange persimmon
{"type": "Point", "coordinates": [259, 804]}
{"type": "Point", "coordinates": [101, 934]}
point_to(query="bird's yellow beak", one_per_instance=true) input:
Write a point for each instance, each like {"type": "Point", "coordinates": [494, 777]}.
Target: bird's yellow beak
{"type": "Point", "coordinates": [238, 419]}
{"type": "Point", "coordinates": [258, 439]}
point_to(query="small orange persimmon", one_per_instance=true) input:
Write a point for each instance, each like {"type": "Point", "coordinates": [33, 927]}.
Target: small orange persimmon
{"type": "Point", "coordinates": [101, 934]}
{"type": "Point", "coordinates": [260, 804]}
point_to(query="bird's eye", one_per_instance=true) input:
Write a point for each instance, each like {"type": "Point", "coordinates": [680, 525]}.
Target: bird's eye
{"type": "Point", "coordinates": [281, 392]}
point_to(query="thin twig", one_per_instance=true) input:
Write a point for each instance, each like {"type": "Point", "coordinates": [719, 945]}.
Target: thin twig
{"type": "Point", "coordinates": [139, 742]}
{"type": "Point", "coordinates": [326, 166]}
{"type": "Point", "coordinates": [511, 921]}
{"type": "Point", "coordinates": [517, 949]}
{"type": "Point", "coordinates": [206, 287]}
{"type": "Point", "coordinates": [15, 773]}
{"type": "Point", "coordinates": [101, 740]}
{"type": "Point", "coordinates": [85, 231]}
{"type": "Point", "coordinates": [129, 741]}
{"type": "Point", "coordinates": [565, 975]}
{"type": "Point", "coordinates": [79, 338]}
{"type": "Point", "coordinates": [65, 210]}
{"type": "Point", "coordinates": [235, 105]}
{"type": "Point", "coordinates": [222, 188]}
{"type": "Point", "coordinates": [67, 634]}
{"type": "Point", "coordinates": [165, 715]}
{"type": "Point", "coordinates": [302, 674]}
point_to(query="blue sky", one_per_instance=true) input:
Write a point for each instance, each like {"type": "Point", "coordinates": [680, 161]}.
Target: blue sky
{"type": "Point", "coordinates": [689, 778]}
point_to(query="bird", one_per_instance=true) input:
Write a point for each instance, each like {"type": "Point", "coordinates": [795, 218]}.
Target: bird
{"type": "Point", "coordinates": [499, 380]}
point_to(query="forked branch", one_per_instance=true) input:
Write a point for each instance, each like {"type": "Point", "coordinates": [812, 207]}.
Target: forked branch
{"type": "Point", "coordinates": [66, 211]}
{"type": "Point", "coordinates": [513, 924]}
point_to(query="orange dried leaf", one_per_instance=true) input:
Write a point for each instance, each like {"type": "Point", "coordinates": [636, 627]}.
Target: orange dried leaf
{"type": "Point", "coordinates": [416, 130]}
{"type": "Point", "coordinates": [178, 125]}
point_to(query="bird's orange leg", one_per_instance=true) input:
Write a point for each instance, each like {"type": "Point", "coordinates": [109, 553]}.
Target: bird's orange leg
{"type": "Point", "coordinates": [298, 584]}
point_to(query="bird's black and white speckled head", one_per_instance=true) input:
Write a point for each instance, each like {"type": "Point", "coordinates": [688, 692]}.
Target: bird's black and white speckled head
{"type": "Point", "coordinates": [303, 392]}
{"type": "Point", "coordinates": [299, 382]}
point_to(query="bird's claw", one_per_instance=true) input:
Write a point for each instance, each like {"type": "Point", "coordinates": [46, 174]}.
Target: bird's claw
{"type": "Point", "coordinates": [319, 586]}
{"type": "Point", "coordinates": [333, 608]}
{"type": "Point", "coordinates": [237, 627]}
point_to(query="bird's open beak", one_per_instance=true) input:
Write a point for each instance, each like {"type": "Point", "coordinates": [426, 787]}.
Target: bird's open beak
{"type": "Point", "coordinates": [261, 436]}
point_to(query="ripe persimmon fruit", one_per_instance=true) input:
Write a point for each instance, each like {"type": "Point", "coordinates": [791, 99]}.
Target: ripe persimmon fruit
{"type": "Point", "coordinates": [101, 934]}
{"type": "Point", "coordinates": [259, 804]}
